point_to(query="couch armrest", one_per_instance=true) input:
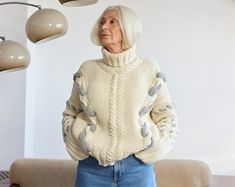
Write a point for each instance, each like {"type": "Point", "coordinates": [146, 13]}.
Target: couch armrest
{"type": "Point", "coordinates": [43, 172]}
{"type": "Point", "coordinates": [182, 173]}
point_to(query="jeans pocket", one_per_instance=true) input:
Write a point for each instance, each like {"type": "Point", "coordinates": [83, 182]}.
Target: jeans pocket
{"type": "Point", "coordinates": [138, 161]}
{"type": "Point", "coordinates": [89, 162]}
{"type": "Point", "coordinates": [84, 160]}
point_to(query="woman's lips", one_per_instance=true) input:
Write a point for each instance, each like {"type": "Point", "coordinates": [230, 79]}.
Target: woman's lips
{"type": "Point", "coordinates": [105, 35]}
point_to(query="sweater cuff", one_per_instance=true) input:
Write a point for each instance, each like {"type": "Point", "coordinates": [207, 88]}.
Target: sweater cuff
{"type": "Point", "coordinates": [73, 146]}
{"type": "Point", "coordinates": [157, 151]}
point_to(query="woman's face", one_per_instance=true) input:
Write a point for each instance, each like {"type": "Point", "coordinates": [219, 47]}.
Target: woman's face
{"type": "Point", "coordinates": [110, 33]}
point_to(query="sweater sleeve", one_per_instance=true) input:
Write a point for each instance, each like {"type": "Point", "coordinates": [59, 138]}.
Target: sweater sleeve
{"type": "Point", "coordinates": [73, 107]}
{"type": "Point", "coordinates": [163, 115]}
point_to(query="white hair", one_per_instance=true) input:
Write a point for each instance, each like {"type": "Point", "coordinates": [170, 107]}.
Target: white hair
{"type": "Point", "coordinates": [129, 23]}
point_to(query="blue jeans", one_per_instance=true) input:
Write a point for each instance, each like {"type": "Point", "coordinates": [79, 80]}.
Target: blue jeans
{"type": "Point", "coordinates": [129, 172]}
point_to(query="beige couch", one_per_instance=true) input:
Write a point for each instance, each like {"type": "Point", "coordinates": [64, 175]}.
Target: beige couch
{"type": "Point", "coordinates": [61, 173]}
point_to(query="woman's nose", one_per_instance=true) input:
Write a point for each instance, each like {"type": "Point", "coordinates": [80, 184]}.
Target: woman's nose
{"type": "Point", "coordinates": [104, 26]}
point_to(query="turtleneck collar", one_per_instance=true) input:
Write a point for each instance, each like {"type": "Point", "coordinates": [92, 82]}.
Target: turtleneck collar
{"type": "Point", "coordinates": [119, 59]}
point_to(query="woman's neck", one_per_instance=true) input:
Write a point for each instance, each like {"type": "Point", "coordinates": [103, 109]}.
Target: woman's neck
{"type": "Point", "coordinates": [115, 48]}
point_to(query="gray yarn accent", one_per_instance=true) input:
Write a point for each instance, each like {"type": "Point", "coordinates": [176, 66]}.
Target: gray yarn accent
{"type": "Point", "coordinates": [161, 75]}
{"type": "Point", "coordinates": [162, 127]}
{"type": "Point", "coordinates": [67, 104]}
{"type": "Point", "coordinates": [166, 108]}
{"type": "Point", "coordinates": [172, 135]}
{"type": "Point", "coordinates": [81, 90]}
{"type": "Point", "coordinates": [88, 110]}
{"type": "Point", "coordinates": [82, 136]}
{"type": "Point", "coordinates": [144, 130]}
{"type": "Point", "coordinates": [92, 127]}
{"type": "Point", "coordinates": [163, 109]}
{"type": "Point", "coordinates": [173, 125]}
{"type": "Point", "coordinates": [153, 90]}
{"type": "Point", "coordinates": [145, 110]}
{"type": "Point", "coordinates": [169, 106]}
{"type": "Point", "coordinates": [77, 75]}
{"type": "Point", "coordinates": [151, 142]}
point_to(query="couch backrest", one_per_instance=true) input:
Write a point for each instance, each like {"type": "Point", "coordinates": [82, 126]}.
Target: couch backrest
{"type": "Point", "coordinates": [61, 173]}
{"type": "Point", "coordinates": [182, 173]}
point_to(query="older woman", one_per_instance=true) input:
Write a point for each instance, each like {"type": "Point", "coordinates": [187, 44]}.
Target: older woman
{"type": "Point", "coordinates": [119, 118]}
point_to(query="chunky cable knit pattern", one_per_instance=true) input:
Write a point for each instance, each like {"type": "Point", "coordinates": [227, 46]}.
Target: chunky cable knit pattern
{"type": "Point", "coordinates": [113, 109]}
{"type": "Point", "coordinates": [119, 106]}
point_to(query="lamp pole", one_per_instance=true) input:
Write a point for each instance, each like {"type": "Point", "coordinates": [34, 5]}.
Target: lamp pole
{"type": "Point", "coordinates": [21, 3]}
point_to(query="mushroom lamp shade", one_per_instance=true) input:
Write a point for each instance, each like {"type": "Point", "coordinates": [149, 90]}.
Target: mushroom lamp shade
{"type": "Point", "coordinates": [77, 2]}
{"type": "Point", "coordinates": [46, 24]}
{"type": "Point", "coordinates": [13, 55]}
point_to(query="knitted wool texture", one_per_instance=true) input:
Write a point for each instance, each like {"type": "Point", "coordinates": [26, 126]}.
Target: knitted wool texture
{"type": "Point", "coordinates": [119, 106]}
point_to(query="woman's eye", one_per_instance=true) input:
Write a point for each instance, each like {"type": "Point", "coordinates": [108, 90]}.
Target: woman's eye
{"type": "Point", "coordinates": [102, 22]}
{"type": "Point", "coordinates": [113, 21]}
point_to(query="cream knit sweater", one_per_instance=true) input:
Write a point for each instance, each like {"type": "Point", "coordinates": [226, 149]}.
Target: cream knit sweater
{"type": "Point", "coordinates": [119, 106]}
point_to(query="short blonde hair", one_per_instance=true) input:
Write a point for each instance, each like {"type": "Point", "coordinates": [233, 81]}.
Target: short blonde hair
{"type": "Point", "coordinates": [129, 23]}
